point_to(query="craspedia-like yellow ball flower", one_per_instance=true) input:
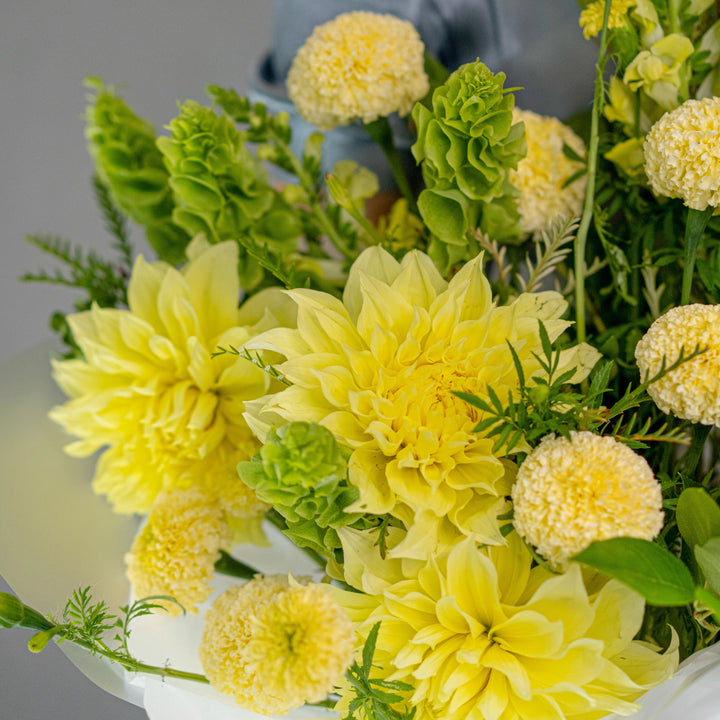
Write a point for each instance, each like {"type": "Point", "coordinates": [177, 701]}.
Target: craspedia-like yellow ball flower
{"type": "Point", "coordinates": [482, 634]}
{"type": "Point", "coordinates": [360, 65]}
{"type": "Point", "coordinates": [274, 646]}
{"type": "Point", "coordinates": [692, 390]}
{"type": "Point", "coordinates": [148, 389]}
{"type": "Point", "coordinates": [682, 154]}
{"type": "Point", "coordinates": [175, 553]}
{"type": "Point", "coordinates": [542, 173]}
{"type": "Point", "coordinates": [379, 370]}
{"type": "Point", "coordinates": [591, 18]}
{"type": "Point", "coordinates": [571, 492]}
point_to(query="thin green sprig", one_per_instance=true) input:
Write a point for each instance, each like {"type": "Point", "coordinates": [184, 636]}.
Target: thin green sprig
{"type": "Point", "coordinates": [255, 358]}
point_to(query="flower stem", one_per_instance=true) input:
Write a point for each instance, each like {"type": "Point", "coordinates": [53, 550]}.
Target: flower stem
{"type": "Point", "coordinates": [581, 237]}
{"type": "Point", "coordinates": [694, 227]}
{"type": "Point", "coordinates": [695, 451]}
{"type": "Point", "coordinates": [381, 132]}
{"type": "Point", "coordinates": [228, 565]}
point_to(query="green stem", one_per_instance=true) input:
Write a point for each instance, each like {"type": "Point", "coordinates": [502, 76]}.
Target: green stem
{"type": "Point", "coordinates": [581, 237]}
{"type": "Point", "coordinates": [381, 132]}
{"type": "Point", "coordinates": [695, 451]}
{"type": "Point", "coordinates": [674, 18]}
{"type": "Point", "coordinates": [694, 227]}
{"type": "Point", "coordinates": [281, 524]}
{"type": "Point", "coordinates": [228, 565]}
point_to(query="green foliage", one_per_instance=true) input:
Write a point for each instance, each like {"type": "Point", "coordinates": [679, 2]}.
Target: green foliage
{"type": "Point", "coordinates": [375, 698]}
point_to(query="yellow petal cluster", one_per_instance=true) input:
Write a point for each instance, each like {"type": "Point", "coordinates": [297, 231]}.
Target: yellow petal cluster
{"type": "Point", "coordinates": [175, 553]}
{"type": "Point", "coordinates": [274, 645]}
{"type": "Point", "coordinates": [682, 154]}
{"type": "Point", "coordinates": [542, 173]}
{"type": "Point", "coordinates": [591, 18]}
{"type": "Point", "coordinates": [481, 635]}
{"type": "Point", "coordinates": [379, 370]}
{"type": "Point", "coordinates": [360, 65]}
{"type": "Point", "coordinates": [571, 492]}
{"type": "Point", "coordinates": [148, 389]}
{"type": "Point", "coordinates": [691, 391]}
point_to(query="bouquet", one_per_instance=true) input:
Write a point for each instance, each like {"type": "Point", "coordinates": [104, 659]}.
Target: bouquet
{"type": "Point", "coordinates": [478, 427]}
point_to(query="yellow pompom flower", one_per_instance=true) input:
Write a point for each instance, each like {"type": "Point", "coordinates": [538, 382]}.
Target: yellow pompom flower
{"type": "Point", "coordinates": [591, 18]}
{"type": "Point", "coordinates": [360, 65]}
{"type": "Point", "coordinates": [542, 173]}
{"type": "Point", "coordinates": [273, 645]}
{"type": "Point", "coordinates": [379, 370]}
{"type": "Point", "coordinates": [682, 154]}
{"type": "Point", "coordinates": [148, 389]}
{"type": "Point", "coordinates": [569, 493]}
{"type": "Point", "coordinates": [482, 634]}
{"type": "Point", "coordinates": [691, 391]}
{"type": "Point", "coordinates": [175, 553]}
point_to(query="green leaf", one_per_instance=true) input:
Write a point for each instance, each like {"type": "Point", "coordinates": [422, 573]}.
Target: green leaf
{"type": "Point", "coordinates": [655, 573]}
{"type": "Point", "coordinates": [369, 649]}
{"type": "Point", "coordinates": [698, 517]}
{"type": "Point", "coordinates": [711, 602]}
{"type": "Point", "coordinates": [708, 557]}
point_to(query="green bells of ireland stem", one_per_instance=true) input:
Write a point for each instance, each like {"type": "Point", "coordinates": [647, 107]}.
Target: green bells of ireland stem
{"type": "Point", "coordinates": [129, 163]}
{"type": "Point", "coordinates": [222, 190]}
{"type": "Point", "coordinates": [467, 145]}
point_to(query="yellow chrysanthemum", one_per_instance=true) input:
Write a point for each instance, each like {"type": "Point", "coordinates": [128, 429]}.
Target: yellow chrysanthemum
{"type": "Point", "coordinates": [480, 635]}
{"type": "Point", "coordinates": [682, 153]}
{"type": "Point", "coordinates": [175, 553]}
{"type": "Point", "coordinates": [361, 65]}
{"type": "Point", "coordinates": [274, 646]}
{"type": "Point", "coordinates": [542, 173]}
{"type": "Point", "coordinates": [148, 389]}
{"type": "Point", "coordinates": [691, 391]}
{"type": "Point", "coordinates": [379, 370]}
{"type": "Point", "coordinates": [591, 18]}
{"type": "Point", "coordinates": [569, 493]}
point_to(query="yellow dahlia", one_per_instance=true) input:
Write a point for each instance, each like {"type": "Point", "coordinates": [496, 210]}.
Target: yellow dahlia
{"type": "Point", "coordinates": [481, 635]}
{"type": "Point", "coordinates": [360, 65]}
{"type": "Point", "coordinates": [682, 154]}
{"type": "Point", "coordinates": [379, 370]}
{"type": "Point", "coordinates": [569, 493]}
{"type": "Point", "coordinates": [175, 553]}
{"type": "Point", "coordinates": [147, 388]}
{"type": "Point", "coordinates": [274, 646]}
{"type": "Point", "coordinates": [542, 173]}
{"type": "Point", "coordinates": [691, 391]}
{"type": "Point", "coordinates": [591, 18]}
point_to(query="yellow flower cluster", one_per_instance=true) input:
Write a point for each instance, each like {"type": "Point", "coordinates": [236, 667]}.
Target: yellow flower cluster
{"type": "Point", "coordinates": [274, 645]}
{"type": "Point", "coordinates": [360, 65]}
{"type": "Point", "coordinates": [482, 634]}
{"type": "Point", "coordinates": [591, 18]}
{"type": "Point", "coordinates": [148, 388]}
{"type": "Point", "coordinates": [682, 159]}
{"type": "Point", "coordinates": [542, 173]}
{"type": "Point", "coordinates": [379, 370]}
{"type": "Point", "coordinates": [569, 493]}
{"type": "Point", "coordinates": [175, 553]}
{"type": "Point", "coordinates": [691, 391]}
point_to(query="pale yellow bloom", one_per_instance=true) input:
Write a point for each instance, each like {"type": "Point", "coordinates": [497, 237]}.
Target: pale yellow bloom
{"type": "Point", "coordinates": [682, 154]}
{"type": "Point", "coordinates": [360, 65]}
{"type": "Point", "coordinates": [591, 18]}
{"type": "Point", "coordinates": [542, 173]}
{"type": "Point", "coordinates": [175, 553]}
{"type": "Point", "coordinates": [148, 389]}
{"type": "Point", "coordinates": [481, 635]}
{"type": "Point", "coordinates": [691, 391]}
{"type": "Point", "coordinates": [569, 493]}
{"type": "Point", "coordinates": [379, 370]}
{"type": "Point", "coordinates": [274, 645]}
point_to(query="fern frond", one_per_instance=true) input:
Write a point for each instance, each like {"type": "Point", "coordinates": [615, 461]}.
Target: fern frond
{"type": "Point", "coordinates": [551, 248]}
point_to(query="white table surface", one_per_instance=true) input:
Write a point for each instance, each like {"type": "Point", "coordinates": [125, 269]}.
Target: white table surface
{"type": "Point", "coordinates": [162, 50]}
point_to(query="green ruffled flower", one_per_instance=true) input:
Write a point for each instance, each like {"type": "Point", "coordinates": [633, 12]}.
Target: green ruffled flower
{"type": "Point", "coordinates": [128, 161]}
{"type": "Point", "coordinates": [222, 190]}
{"type": "Point", "coordinates": [467, 146]}
{"type": "Point", "coordinates": [302, 472]}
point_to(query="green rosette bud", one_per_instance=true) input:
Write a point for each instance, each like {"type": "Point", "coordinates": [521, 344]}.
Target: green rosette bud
{"type": "Point", "coordinates": [302, 472]}
{"type": "Point", "coordinates": [222, 190]}
{"type": "Point", "coordinates": [467, 145]}
{"type": "Point", "coordinates": [129, 163]}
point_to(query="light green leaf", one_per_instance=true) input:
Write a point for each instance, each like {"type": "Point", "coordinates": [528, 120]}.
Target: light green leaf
{"type": "Point", "coordinates": [708, 557]}
{"type": "Point", "coordinates": [698, 517]}
{"type": "Point", "coordinates": [655, 573]}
